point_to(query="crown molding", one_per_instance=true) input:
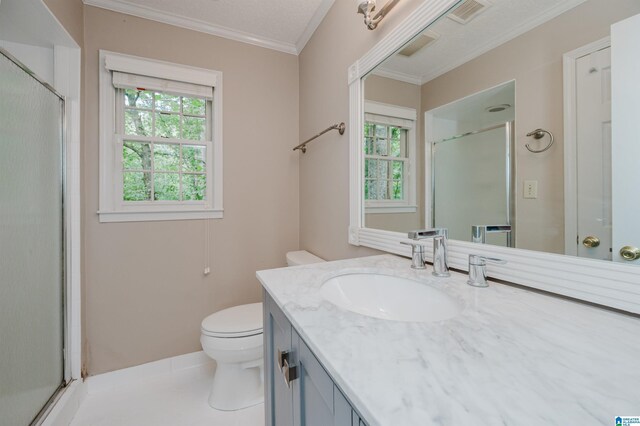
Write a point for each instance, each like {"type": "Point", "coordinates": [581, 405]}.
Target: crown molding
{"type": "Point", "coordinates": [528, 25]}
{"type": "Point", "coordinates": [204, 27]}
{"type": "Point", "coordinates": [314, 23]}
{"type": "Point", "coordinates": [399, 76]}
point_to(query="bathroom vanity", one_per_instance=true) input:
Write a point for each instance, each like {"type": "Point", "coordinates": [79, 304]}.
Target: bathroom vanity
{"type": "Point", "coordinates": [507, 356]}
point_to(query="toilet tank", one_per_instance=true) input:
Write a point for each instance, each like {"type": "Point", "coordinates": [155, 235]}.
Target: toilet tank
{"type": "Point", "coordinates": [302, 257]}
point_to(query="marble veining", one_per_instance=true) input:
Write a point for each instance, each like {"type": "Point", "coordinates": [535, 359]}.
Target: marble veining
{"type": "Point", "coordinates": [511, 357]}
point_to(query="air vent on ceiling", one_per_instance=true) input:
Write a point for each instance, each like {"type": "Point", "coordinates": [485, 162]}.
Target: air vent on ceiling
{"type": "Point", "coordinates": [423, 40]}
{"type": "Point", "coordinates": [468, 10]}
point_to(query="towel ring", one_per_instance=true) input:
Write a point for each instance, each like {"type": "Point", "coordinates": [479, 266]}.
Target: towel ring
{"type": "Point", "coordinates": [539, 134]}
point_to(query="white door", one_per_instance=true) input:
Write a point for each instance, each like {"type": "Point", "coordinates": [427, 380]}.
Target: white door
{"type": "Point", "coordinates": [625, 60]}
{"type": "Point", "coordinates": [593, 154]}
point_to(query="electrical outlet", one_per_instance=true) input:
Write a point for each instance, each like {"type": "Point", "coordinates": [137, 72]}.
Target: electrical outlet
{"type": "Point", "coordinates": [530, 189]}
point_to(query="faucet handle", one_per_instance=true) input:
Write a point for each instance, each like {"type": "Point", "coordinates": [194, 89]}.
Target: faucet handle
{"type": "Point", "coordinates": [418, 260]}
{"type": "Point", "coordinates": [427, 233]}
{"type": "Point", "coordinates": [478, 269]}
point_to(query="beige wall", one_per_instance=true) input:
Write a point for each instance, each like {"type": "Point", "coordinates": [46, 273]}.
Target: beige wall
{"type": "Point", "coordinates": [534, 60]}
{"type": "Point", "coordinates": [398, 93]}
{"type": "Point", "coordinates": [338, 42]}
{"type": "Point", "coordinates": [70, 15]}
{"type": "Point", "coordinates": [145, 292]}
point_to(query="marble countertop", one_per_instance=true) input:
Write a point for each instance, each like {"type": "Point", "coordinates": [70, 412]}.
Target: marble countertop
{"type": "Point", "coordinates": [512, 357]}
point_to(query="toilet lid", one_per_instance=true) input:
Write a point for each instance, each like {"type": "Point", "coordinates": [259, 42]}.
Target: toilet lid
{"type": "Point", "coordinates": [238, 321]}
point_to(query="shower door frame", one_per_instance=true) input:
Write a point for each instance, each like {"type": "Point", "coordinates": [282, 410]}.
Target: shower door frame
{"type": "Point", "coordinates": [66, 373]}
{"type": "Point", "coordinates": [510, 171]}
{"type": "Point", "coordinates": [67, 85]}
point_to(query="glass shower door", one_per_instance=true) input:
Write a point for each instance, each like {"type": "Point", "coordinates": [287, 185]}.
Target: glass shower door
{"type": "Point", "coordinates": [471, 182]}
{"type": "Point", "coordinates": [31, 244]}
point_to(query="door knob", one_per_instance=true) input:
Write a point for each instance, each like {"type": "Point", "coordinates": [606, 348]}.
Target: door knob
{"type": "Point", "coordinates": [630, 253]}
{"type": "Point", "coordinates": [591, 242]}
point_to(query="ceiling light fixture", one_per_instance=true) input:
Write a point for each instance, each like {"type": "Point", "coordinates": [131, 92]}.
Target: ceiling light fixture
{"type": "Point", "coordinates": [367, 7]}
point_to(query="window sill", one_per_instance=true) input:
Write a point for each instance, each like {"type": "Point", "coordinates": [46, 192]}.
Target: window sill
{"type": "Point", "coordinates": [149, 216]}
{"type": "Point", "coordinates": [390, 209]}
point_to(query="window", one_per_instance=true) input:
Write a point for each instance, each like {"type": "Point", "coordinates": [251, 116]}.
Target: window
{"type": "Point", "coordinates": [389, 159]}
{"type": "Point", "coordinates": [160, 140]}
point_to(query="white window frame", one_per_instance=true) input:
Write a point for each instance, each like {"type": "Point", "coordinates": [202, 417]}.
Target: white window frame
{"type": "Point", "coordinates": [385, 114]}
{"type": "Point", "coordinates": [111, 206]}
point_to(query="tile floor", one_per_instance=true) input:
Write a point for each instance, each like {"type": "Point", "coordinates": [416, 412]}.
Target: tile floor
{"type": "Point", "coordinates": [177, 399]}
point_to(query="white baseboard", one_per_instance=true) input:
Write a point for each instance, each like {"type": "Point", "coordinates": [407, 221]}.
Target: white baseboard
{"type": "Point", "coordinates": [102, 382]}
{"type": "Point", "coordinates": [67, 406]}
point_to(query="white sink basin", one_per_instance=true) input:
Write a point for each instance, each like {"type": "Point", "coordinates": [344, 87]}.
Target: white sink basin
{"type": "Point", "coordinates": [390, 298]}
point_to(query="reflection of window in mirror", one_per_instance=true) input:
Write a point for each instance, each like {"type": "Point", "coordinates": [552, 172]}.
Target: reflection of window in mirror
{"type": "Point", "coordinates": [389, 159]}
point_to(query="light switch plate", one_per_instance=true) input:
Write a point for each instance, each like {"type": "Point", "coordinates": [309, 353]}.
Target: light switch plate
{"type": "Point", "coordinates": [530, 189]}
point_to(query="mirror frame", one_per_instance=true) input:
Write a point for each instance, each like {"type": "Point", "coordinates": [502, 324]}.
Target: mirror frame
{"type": "Point", "coordinates": [605, 283]}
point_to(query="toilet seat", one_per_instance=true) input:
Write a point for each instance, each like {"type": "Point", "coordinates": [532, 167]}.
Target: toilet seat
{"type": "Point", "coordinates": [235, 322]}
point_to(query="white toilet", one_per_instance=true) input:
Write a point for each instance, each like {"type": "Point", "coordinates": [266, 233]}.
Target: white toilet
{"type": "Point", "coordinates": [233, 338]}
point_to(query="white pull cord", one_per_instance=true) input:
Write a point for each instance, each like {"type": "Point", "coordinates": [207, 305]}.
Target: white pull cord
{"type": "Point", "coordinates": [207, 247]}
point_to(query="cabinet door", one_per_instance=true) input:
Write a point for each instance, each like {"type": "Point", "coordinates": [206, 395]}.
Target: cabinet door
{"type": "Point", "coordinates": [313, 393]}
{"type": "Point", "coordinates": [277, 337]}
{"type": "Point", "coordinates": [342, 411]}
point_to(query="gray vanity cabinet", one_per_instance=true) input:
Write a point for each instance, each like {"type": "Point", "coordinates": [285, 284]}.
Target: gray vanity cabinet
{"type": "Point", "coordinates": [310, 398]}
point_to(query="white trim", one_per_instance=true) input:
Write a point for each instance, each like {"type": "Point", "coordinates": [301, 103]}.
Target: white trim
{"type": "Point", "coordinates": [399, 76]}
{"type": "Point", "coordinates": [160, 69]}
{"type": "Point", "coordinates": [528, 25]}
{"type": "Point", "coordinates": [165, 17]}
{"type": "Point", "coordinates": [111, 208]}
{"type": "Point", "coordinates": [389, 209]}
{"type": "Point", "coordinates": [569, 60]}
{"type": "Point", "coordinates": [389, 110]}
{"type": "Point", "coordinates": [606, 283]}
{"type": "Point", "coordinates": [113, 379]}
{"type": "Point", "coordinates": [67, 69]}
{"type": "Point", "coordinates": [144, 216]}
{"type": "Point", "coordinates": [67, 406]}
{"type": "Point", "coordinates": [313, 25]}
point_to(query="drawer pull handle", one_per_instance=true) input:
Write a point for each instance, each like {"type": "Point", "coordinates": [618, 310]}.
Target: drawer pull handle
{"type": "Point", "coordinates": [290, 373]}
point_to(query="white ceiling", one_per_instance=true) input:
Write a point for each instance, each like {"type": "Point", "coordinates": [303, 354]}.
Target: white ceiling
{"type": "Point", "coordinates": [284, 25]}
{"type": "Point", "coordinates": [458, 44]}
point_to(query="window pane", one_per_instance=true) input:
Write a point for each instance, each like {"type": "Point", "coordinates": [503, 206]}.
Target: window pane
{"type": "Point", "coordinates": [382, 147]}
{"type": "Point", "coordinates": [383, 169]}
{"type": "Point", "coordinates": [395, 132]}
{"type": "Point", "coordinates": [165, 102]}
{"type": "Point", "coordinates": [368, 129]}
{"type": "Point", "coordinates": [371, 190]}
{"type": "Point", "coordinates": [194, 187]}
{"type": "Point", "coordinates": [193, 128]}
{"type": "Point", "coordinates": [395, 148]}
{"type": "Point", "coordinates": [194, 158]}
{"type": "Point", "coordinates": [193, 106]}
{"type": "Point", "coordinates": [368, 146]}
{"type": "Point", "coordinates": [381, 131]}
{"type": "Point", "coordinates": [166, 157]}
{"type": "Point", "coordinates": [397, 169]}
{"type": "Point", "coordinates": [136, 156]}
{"type": "Point", "coordinates": [166, 186]}
{"type": "Point", "coordinates": [138, 98]}
{"type": "Point", "coordinates": [167, 125]}
{"type": "Point", "coordinates": [383, 190]}
{"type": "Point", "coordinates": [397, 190]}
{"type": "Point", "coordinates": [370, 167]}
{"type": "Point", "coordinates": [136, 186]}
{"type": "Point", "coordinates": [137, 122]}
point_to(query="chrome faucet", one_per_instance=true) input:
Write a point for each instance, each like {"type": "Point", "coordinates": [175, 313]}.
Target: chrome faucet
{"type": "Point", "coordinates": [479, 233]}
{"type": "Point", "coordinates": [478, 269]}
{"type": "Point", "coordinates": [439, 235]}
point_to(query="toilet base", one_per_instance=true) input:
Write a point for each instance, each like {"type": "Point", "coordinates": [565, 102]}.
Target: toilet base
{"type": "Point", "coordinates": [237, 386]}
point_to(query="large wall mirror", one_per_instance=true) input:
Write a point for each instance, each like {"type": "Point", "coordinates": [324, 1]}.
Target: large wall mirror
{"type": "Point", "coordinates": [495, 122]}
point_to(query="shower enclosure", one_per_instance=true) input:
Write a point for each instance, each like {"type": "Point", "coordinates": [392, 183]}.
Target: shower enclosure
{"type": "Point", "coordinates": [32, 249]}
{"type": "Point", "coordinates": [472, 182]}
